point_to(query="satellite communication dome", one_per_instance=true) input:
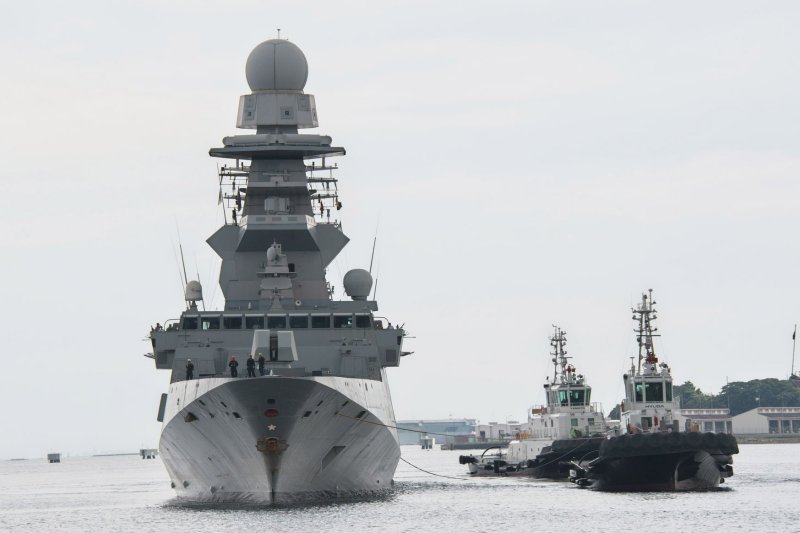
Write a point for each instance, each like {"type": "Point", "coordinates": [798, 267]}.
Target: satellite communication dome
{"type": "Point", "coordinates": [276, 64]}
{"type": "Point", "coordinates": [357, 283]}
{"type": "Point", "coordinates": [194, 291]}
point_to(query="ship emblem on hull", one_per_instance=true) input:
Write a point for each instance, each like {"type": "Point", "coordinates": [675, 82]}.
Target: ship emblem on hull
{"type": "Point", "coordinates": [268, 445]}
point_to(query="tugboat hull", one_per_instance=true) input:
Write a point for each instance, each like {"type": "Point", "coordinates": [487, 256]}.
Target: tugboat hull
{"type": "Point", "coordinates": [552, 463]}
{"type": "Point", "coordinates": [659, 462]}
{"type": "Point", "coordinates": [275, 440]}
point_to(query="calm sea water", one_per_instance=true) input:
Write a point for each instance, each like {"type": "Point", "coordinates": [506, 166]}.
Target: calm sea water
{"type": "Point", "coordinates": [127, 493]}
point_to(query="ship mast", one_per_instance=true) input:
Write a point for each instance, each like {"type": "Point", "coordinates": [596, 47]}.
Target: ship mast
{"type": "Point", "coordinates": [644, 314]}
{"type": "Point", "coordinates": [561, 366]}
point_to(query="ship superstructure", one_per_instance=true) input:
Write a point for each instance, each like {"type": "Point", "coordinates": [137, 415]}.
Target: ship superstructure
{"type": "Point", "coordinates": [649, 404]}
{"type": "Point", "coordinates": [317, 420]}
{"type": "Point", "coordinates": [569, 411]}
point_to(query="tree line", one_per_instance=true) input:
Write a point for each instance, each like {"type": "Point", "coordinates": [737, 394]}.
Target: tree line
{"type": "Point", "coordinates": [738, 396]}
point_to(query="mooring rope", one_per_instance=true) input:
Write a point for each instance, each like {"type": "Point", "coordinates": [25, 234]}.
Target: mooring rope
{"type": "Point", "coordinates": [395, 427]}
{"type": "Point", "coordinates": [414, 431]}
{"type": "Point", "coordinates": [447, 435]}
{"type": "Point", "coordinates": [431, 473]}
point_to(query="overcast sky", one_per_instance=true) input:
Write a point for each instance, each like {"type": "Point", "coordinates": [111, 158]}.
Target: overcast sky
{"type": "Point", "coordinates": [529, 163]}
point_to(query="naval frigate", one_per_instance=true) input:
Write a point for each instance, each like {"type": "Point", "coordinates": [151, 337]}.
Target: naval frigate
{"type": "Point", "coordinates": [316, 420]}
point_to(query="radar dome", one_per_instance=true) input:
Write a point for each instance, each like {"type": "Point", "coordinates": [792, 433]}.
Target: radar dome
{"type": "Point", "coordinates": [276, 64]}
{"type": "Point", "coordinates": [194, 291]}
{"type": "Point", "coordinates": [357, 283]}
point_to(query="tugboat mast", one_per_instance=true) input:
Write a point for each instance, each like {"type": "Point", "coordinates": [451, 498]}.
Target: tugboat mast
{"type": "Point", "coordinates": [643, 315]}
{"type": "Point", "coordinates": [560, 359]}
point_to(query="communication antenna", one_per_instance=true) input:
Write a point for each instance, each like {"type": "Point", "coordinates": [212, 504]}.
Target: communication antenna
{"type": "Point", "coordinates": [183, 262]}
{"type": "Point", "coordinates": [197, 270]}
{"type": "Point", "coordinates": [375, 290]}
{"type": "Point", "coordinates": [181, 284]}
{"type": "Point", "coordinates": [374, 242]}
{"type": "Point", "coordinates": [372, 256]}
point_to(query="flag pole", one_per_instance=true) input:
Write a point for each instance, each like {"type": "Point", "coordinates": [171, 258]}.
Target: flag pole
{"type": "Point", "coordinates": [794, 341]}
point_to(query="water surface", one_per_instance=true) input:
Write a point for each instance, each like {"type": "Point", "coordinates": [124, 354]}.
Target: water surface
{"type": "Point", "coordinates": [126, 493]}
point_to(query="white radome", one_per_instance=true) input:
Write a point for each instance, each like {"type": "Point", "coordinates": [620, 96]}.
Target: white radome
{"type": "Point", "coordinates": [357, 283]}
{"type": "Point", "coordinates": [194, 291]}
{"type": "Point", "coordinates": [276, 65]}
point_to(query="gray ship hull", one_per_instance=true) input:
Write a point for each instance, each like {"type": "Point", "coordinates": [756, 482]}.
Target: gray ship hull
{"type": "Point", "coordinates": [275, 440]}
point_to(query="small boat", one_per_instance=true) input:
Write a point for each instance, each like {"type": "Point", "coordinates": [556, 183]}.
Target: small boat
{"type": "Point", "coordinates": [492, 462]}
{"type": "Point", "coordinates": [568, 427]}
{"type": "Point", "coordinates": [653, 453]}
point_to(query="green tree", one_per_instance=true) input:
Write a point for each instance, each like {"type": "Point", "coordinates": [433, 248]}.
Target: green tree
{"type": "Point", "coordinates": [614, 414]}
{"type": "Point", "coordinates": [742, 396]}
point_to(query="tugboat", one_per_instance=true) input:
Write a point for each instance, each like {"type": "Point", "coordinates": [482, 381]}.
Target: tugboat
{"type": "Point", "coordinates": [569, 427]}
{"type": "Point", "coordinates": [652, 453]}
{"type": "Point", "coordinates": [316, 422]}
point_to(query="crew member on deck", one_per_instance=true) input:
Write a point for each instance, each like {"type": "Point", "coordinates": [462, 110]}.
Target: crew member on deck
{"type": "Point", "coordinates": [234, 364]}
{"type": "Point", "coordinates": [251, 366]}
{"type": "Point", "coordinates": [189, 369]}
{"type": "Point", "coordinates": [261, 363]}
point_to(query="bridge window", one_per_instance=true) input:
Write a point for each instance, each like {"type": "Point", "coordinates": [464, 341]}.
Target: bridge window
{"type": "Point", "coordinates": [668, 390]}
{"type": "Point", "coordinates": [275, 322]}
{"type": "Point", "coordinates": [562, 397]}
{"type": "Point", "coordinates": [654, 391]}
{"type": "Point", "coordinates": [209, 322]}
{"type": "Point", "coordinates": [320, 322]}
{"type": "Point", "coordinates": [232, 322]}
{"type": "Point", "coordinates": [343, 321]}
{"type": "Point", "coordinates": [576, 397]}
{"type": "Point", "coordinates": [638, 389]}
{"type": "Point", "coordinates": [254, 322]}
{"type": "Point", "coordinates": [298, 321]}
{"type": "Point", "coordinates": [362, 321]}
{"type": "Point", "coordinates": [189, 322]}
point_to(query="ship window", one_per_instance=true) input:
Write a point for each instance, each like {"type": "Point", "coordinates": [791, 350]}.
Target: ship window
{"type": "Point", "coordinates": [576, 397]}
{"type": "Point", "coordinates": [274, 322]}
{"type": "Point", "coordinates": [362, 321]}
{"type": "Point", "coordinates": [591, 421]}
{"type": "Point", "coordinates": [190, 322]}
{"type": "Point", "coordinates": [232, 322]}
{"type": "Point", "coordinates": [320, 321]}
{"type": "Point", "coordinates": [343, 321]}
{"type": "Point", "coordinates": [209, 322]}
{"type": "Point", "coordinates": [562, 397]}
{"type": "Point", "coordinates": [298, 322]}
{"type": "Point", "coordinates": [647, 423]}
{"type": "Point", "coordinates": [573, 422]}
{"type": "Point", "coordinates": [254, 322]}
{"type": "Point", "coordinates": [654, 391]}
{"type": "Point", "coordinates": [638, 390]}
{"type": "Point", "coordinates": [668, 390]}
